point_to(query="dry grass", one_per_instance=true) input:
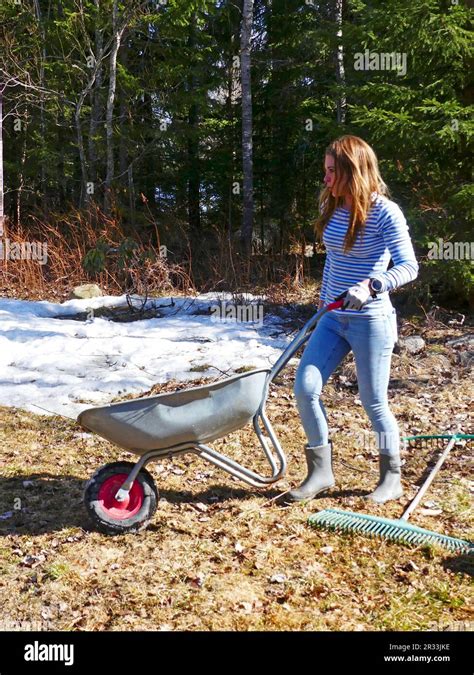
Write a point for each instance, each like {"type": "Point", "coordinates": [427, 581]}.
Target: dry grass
{"type": "Point", "coordinates": [220, 555]}
{"type": "Point", "coordinates": [208, 261]}
{"type": "Point", "coordinates": [68, 238]}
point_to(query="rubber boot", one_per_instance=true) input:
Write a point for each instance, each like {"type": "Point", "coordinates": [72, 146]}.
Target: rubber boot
{"type": "Point", "coordinates": [389, 486]}
{"type": "Point", "coordinates": [319, 478]}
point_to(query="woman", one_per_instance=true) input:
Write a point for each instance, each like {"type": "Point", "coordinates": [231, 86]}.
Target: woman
{"type": "Point", "coordinates": [361, 229]}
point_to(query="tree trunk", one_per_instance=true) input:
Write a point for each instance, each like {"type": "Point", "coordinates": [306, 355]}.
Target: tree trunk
{"type": "Point", "coordinates": [95, 106]}
{"type": "Point", "coordinates": [77, 119]}
{"type": "Point", "coordinates": [44, 189]}
{"type": "Point", "coordinates": [247, 148]}
{"type": "Point", "coordinates": [109, 134]}
{"type": "Point", "coordinates": [230, 119]}
{"type": "Point", "coordinates": [63, 181]}
{"type": "Point", "coordinates": [131, 194]}
{"type": "Point", "coordinates": [340, 73]}
{"type": "Point", "coordinates": [2, 214]}
{"type": "Point", "coordinates": [80, 147]}
{"type": "Point", "coordinates": [123, 114]}
{"type": "Point", "coordinates": [194, 178]}
{"type": "Point", "coordinates": [21, 177]}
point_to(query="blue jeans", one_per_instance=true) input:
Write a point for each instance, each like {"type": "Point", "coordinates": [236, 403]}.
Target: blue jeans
{"type": "Point", "coordinates": [371, 338]}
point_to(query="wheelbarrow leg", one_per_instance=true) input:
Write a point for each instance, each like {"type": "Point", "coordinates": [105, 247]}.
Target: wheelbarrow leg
{"type": "Point", "coordinates": [274, 441]}
{"type": "Point", "coordinates": [125, 488]}
{"type": "Point", "coordinates": [238, 470]}
{"type": "Point", "coordinates": [123, 493]}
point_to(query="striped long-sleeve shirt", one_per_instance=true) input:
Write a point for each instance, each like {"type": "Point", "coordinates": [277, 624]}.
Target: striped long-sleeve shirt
{"type": "Point", "coordinates": [384, 236]}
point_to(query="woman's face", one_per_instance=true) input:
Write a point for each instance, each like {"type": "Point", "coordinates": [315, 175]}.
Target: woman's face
{"type": "Point", "coordinates": [330, 178]}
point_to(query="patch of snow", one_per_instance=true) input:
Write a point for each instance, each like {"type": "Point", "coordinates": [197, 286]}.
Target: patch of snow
{"type": "Point", "coordinates": [64, 366]}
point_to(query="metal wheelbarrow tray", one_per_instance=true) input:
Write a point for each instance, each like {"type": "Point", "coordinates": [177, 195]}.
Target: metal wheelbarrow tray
{"type": "Point", "coordinates": [197, 415]}
{"type": "Point", "coordinates": [122, 497]}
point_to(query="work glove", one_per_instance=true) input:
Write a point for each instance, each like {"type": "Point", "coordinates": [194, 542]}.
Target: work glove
{"type": "Point", "coordinates": [357, 296]}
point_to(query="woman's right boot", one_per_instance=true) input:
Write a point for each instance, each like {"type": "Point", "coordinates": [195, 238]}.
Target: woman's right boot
{"type": "Point", "coordinates": [319, 478]}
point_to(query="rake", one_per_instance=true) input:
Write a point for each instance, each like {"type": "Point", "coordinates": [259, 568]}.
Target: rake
{"type": "Point", "coordinates": [398, 530]}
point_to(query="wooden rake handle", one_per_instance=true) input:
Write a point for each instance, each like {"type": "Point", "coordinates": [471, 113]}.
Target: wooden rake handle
{"type": "Point", "coordinates": [414, 503]}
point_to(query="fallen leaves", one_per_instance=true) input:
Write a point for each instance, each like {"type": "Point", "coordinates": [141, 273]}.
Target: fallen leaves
{"type": "Point", "coordinates": [33, 560]}
{"type": "Point", "coordinates": [278, 579]}
{"type": "Point", "coordinates": [196, 581]}
{"type": "Point", "coordinates": [430, 512]}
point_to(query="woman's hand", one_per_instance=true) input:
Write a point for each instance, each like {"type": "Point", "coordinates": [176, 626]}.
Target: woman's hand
{"type": "Point", "coordinates": [357, 296]}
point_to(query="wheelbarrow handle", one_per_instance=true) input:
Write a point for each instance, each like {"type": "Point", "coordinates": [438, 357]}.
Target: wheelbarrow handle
{"type": "Point", "coordinates": [337, 302]}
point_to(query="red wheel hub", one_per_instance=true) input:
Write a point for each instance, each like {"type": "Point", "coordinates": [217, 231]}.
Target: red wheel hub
{"type": "Point", "coordinates": [120, 510]}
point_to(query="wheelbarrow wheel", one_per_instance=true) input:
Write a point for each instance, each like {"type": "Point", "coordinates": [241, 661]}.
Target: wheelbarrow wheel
{"type": "Point", "coordinates": [114, 517]}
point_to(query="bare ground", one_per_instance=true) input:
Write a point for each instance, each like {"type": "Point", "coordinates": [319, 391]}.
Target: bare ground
{"type": "Point", "coordinates": [219, 555]}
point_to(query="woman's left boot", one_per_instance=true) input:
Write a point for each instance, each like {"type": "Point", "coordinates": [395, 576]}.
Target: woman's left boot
{"type": "Point", "coordinates": [389, 486]}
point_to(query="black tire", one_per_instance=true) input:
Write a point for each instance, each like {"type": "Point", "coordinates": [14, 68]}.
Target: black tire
{"type": "Point", "coordinates": [102, 518]}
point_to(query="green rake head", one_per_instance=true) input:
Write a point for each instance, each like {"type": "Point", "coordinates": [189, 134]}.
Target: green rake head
{"type": "Point", "coordinates": [434, 441]}
{"type": "Point", "coordinates": [396, 530]}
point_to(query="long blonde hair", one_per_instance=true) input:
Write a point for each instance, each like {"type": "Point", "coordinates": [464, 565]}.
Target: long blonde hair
{"type": "Point", "coordinates": [357, 172]}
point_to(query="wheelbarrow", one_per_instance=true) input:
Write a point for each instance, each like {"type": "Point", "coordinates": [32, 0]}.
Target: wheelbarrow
{"type": "Point", "coordinates": [122, 496]}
